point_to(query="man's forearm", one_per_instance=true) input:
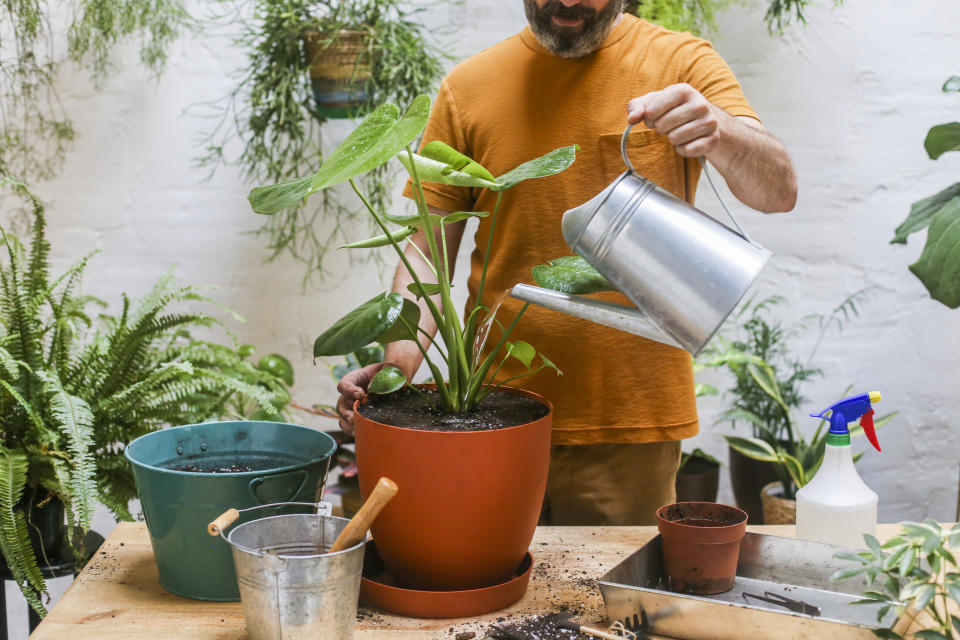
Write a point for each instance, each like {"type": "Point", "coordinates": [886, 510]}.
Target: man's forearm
{"type": "Point", "coordinates": [755, 165]}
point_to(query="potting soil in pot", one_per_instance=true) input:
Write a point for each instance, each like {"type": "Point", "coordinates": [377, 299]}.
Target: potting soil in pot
{"type": "Point", "coordinates": [410, 410]}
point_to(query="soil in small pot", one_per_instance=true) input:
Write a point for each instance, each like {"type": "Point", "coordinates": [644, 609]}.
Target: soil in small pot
{"type": "Point", "coordinates": [701, 545]}
{"type": "Point", "coordinates": [684, 514]}
{"type": "Point", "coordinates": [410, 410]}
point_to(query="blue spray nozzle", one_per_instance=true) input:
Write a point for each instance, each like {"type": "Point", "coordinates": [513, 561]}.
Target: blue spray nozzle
{"type": "Point", "coordinates": [848, 410]}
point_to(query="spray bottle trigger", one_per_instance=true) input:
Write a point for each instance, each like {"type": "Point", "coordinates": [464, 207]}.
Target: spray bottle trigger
{"type": "Point", "coordinates": [866, 421]}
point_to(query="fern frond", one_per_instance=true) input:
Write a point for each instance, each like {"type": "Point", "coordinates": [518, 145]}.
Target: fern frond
{"type": "Point", "coordinates": [74, 419]}
{"type": "Point", "coordinates": [15, 541]}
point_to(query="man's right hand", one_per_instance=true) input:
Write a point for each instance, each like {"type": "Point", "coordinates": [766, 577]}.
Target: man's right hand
{"type": "Point", "coordinates": [353, 387]}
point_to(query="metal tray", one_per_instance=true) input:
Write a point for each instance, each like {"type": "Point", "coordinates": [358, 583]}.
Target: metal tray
{"type": "Point", "coordinates": [796, 569]}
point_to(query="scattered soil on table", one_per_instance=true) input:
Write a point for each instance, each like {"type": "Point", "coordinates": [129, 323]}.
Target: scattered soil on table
{"type": "Point", "coordinates": [545, 627]}
{"type": "Point", "coordinates": [410, 410]}
{"type": "Point", "coordinates": [233, 468]}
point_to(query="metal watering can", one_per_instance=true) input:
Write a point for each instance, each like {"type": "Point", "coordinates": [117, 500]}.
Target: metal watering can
{"type": "Point", "coordinates": [684, 271]}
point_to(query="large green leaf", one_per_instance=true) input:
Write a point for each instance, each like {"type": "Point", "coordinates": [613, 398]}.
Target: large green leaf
{"type": "Point", "coordinates": [360, 327]}
{"type": "Point", "coordinates": [277, 197]}
{"type": "Point", "coordinates": [546, 165]}
{"type": "Point", "coordinates": [522, 351]}
{"type": "Point", "coordinates": [430, 170]}
{"type": "Point", "coordinates": [941, 139]}
{"type": "Point", "coordinates": [442, 152]}
{"type": "Point", "coordinates": [277, 365]}
{"type": "Point", "coordinates": [939, 264]}
{"type": "Point", "coordinates": [571, 274]}
{"type": "Point", "coordinates": [753, 448]}
{"type": "Point", "coordinates": [923, 211]}
{"type": "Point", "coordinates": [377, 139]}
{"type": "Point", "coordinates": [409, 317]}
{"type": "Point", "coordinates": [387, 380]}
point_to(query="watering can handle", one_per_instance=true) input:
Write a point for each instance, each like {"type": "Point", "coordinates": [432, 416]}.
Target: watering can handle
{"type": "Point", "coordinates": [703, 163]}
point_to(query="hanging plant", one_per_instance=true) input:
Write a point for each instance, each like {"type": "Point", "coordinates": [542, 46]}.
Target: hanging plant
{"type": "Point", "coordinates": [35, 130]}
{"type": "Point", "coordinates": [276, 111]}
{"type": "Point", "coordinates": [698, 16]}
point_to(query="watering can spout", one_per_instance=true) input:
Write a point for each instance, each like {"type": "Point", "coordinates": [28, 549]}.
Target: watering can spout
{"type": "Point", "coordinates": [609, 314]}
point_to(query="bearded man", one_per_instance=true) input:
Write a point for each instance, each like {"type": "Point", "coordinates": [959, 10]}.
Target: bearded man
{"type": "Point", "coordinates": [578, 74]}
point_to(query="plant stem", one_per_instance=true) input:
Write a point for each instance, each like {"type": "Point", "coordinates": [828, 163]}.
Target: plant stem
{"type": "Point", "coordinates": [481, 373]}
{"type": "Point", "coordinates": [458, 369]}
{"type": "Point", "coordinates": [437, 317]}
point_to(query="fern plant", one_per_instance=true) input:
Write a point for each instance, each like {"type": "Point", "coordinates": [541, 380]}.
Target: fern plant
{"type": "Point", "coordinates": [76, 388]}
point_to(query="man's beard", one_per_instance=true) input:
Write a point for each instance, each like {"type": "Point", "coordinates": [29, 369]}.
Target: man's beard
{"type": "Point", "coordinates": [571, 42]}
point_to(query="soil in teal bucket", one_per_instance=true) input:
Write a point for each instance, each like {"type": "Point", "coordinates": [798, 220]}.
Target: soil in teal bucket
{"type": "Point", "coordinates": [187, 476]}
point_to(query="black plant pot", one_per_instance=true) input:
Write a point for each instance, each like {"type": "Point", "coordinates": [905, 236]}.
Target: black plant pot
{"type": "Point", "coordinates": [698, 482]}
{"type": "Point", "coordinates": [748, 477]}
{"type": "Point", "coordinates": [45, 525]}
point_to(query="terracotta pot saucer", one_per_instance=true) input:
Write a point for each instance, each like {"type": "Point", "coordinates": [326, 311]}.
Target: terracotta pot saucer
{"type": "Point", "coordinates": [378, 589]}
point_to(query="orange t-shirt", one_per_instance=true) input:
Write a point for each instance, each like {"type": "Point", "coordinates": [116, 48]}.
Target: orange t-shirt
{"type": "Point", "coordinates": [514, 102]}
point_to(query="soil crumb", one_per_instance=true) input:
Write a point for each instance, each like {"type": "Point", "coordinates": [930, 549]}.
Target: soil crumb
{"type": "Point", "coordinates": [410, 410]}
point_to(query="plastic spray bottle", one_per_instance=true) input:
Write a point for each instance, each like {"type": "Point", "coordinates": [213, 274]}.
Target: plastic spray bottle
{"type": "Point", "coordinates": [837, 507]}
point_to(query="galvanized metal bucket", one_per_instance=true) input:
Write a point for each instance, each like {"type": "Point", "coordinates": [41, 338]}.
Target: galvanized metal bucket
{"type": "Point", "coordinates": [684, 270]}
{"type": "Point", "coordinates": [291, 588]}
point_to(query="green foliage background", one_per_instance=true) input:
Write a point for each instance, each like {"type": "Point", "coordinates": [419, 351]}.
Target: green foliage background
{"type": "Point", "coordinates": [75, 388]}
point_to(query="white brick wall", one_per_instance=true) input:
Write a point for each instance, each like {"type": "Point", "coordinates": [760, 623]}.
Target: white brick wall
{"type": "Point", "coordinates": [852, 96]}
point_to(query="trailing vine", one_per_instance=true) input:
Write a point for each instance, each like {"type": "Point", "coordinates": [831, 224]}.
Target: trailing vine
{"type": "Point", "coordinates": [271, 111]}
{"type": "Point", "coordinates": [35, 130]}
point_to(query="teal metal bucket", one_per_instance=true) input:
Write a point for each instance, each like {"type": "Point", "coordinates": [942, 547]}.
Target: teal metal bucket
{"type": "Point", "coordinates": [289, 464]}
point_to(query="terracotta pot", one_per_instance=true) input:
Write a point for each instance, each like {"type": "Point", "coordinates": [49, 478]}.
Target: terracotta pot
{"type": "Point", "coordinates": [698, 482]}
{"type": "Point", "coordinates": [747, 477]}
{"type": "Point", "coordinates": [776, 508]}
{"type": "Point", "coordinates": [701, 545]}
{"type": "Point", "coordinates": [468, 503]}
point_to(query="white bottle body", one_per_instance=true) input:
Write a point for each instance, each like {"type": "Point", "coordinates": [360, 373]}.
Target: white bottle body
{"type": "Point", "coordinates": [837, 507]}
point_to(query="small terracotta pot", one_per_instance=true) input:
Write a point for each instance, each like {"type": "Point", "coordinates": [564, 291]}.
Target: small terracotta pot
{"type": "Point", "coordinates": [468, 503]}
{"type": "Point", "coordinates": [776, 508]}
{"type": "Point", "coordinates": [701, 545]}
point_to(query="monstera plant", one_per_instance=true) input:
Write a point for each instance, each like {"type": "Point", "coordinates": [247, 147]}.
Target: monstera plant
{"type": "Point", "coordinates": [389, 317]}
{"type": "Point", "coordinates": [939, 265]}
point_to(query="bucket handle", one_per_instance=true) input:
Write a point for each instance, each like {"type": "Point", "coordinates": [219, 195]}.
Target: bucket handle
{"type": "Point", "coordinates": [222, 522]}
{"type": "Point", "coordinates": [703, 164]}
{"type": "Point", "coordinates": [256, 482]}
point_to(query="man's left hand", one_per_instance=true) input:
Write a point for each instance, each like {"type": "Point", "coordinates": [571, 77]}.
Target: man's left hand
{"type": "Point", "coordinates": [680, 112]}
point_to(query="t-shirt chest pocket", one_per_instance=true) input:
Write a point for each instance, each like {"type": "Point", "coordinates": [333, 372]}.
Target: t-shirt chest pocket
{"type": "Point", "coordinates": [651, 154]}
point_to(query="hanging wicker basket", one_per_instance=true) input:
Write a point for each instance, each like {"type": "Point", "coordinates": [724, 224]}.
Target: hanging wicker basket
{"type": "Point", "coordinates": [340, 69]}
{"type": "Point", "coordinates": [776, 509]}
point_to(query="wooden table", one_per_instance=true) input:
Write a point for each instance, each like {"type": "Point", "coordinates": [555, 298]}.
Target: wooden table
{"type": "Point", "coordinates": [117, 594]}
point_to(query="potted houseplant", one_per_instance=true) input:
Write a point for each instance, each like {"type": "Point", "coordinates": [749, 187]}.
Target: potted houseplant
{"type": "Point", "coordinates": [298, 51]}
{"type": "Point", "coordinates": [698, 477]}
{"type": "Point", "coordinates": [938, 267]}
{"type": "Point", "coordinates": [469, 498]}
{"type": "Point", "coordinates": [914, 574]}
{"type": "Point", "coordinates": [74, 389]}
{"type": "Point", "coordinates": [777, 459]}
